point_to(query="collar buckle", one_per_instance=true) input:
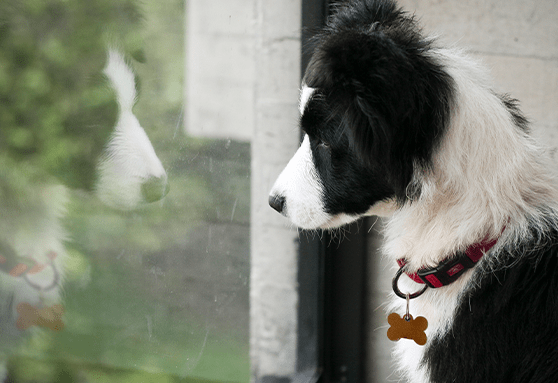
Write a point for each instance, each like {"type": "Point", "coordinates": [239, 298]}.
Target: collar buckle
{"type": "Point", "coordinates": [446, 272]}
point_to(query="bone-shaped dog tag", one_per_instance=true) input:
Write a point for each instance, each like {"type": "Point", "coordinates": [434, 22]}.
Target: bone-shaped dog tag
{"type": "Point", "coordinates": [407, 327]}
{"type": "Point", "coordinates": [50, 317]}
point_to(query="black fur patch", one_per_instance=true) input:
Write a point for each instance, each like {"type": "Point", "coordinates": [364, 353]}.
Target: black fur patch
{"type": "Point", "coordinates": [512, 105]}
{"type": "Point", "coordinates": [506, 330]}
{"type": "Point", "coordinates": [382, 90]}
{"type": "Point", "coordinates": [349, 184]}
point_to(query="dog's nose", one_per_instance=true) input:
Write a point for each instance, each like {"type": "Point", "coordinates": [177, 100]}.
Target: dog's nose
{"type": "Point", "coordinates": [155, 188]}
{"type": "Point", "coordinates": [277, 202]}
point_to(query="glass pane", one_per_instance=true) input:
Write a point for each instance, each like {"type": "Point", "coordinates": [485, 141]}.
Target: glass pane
{"type": "Point", "coordinates": [124, 241]}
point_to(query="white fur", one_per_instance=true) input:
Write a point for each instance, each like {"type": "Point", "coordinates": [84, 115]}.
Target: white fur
{"type": "Point", "coordinates": [305, 95]}
{"type": "Point", "coordinates": [129, 159]}
{"type": "Point", "coordinates": [382, 209]}
{"type": "Point", "coordinates": [300, 185]}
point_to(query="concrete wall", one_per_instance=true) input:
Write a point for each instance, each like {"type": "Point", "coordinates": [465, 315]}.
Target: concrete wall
{"type": "Point", "coordinates": [518, 41]}
{"type": "Point", "coordinates": [220, 68]}
{"type": "Point", "coordinates": [273, 287]}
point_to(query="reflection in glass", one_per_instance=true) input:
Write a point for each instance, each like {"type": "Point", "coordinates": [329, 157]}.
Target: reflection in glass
{"type": "Point", "coordinates": [124, 243]}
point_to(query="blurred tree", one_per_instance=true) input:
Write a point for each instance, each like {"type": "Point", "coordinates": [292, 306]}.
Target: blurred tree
{"type": "Point", "coordinates": [56, 110]}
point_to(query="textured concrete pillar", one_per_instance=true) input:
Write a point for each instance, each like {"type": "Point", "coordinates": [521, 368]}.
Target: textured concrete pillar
{"type": "Point", "coordinates": [220, 68]}
{"type": "Point", "coordinates": [273, 292]}
{"type": "Point", "coordinates": [243, 76]}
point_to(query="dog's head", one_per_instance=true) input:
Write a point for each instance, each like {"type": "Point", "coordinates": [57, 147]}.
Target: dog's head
{"type": "Point", "coordinates": [128, 170]}
{"type": "Point", "coordinates": [374, 105]}
{"type": "Point", "coordinates": [80, 132]}
{"type": "Point", "coordinates": [63, 119]}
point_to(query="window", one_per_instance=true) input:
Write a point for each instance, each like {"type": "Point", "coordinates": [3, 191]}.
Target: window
{"type": "Point", "coordinates": [124, 236]}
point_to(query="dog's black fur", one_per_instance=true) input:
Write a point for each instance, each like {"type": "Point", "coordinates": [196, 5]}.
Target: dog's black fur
{"type": "Point", "coordinates": [374, 72]}
{"type": "Point", "coordinates": [506, 329]}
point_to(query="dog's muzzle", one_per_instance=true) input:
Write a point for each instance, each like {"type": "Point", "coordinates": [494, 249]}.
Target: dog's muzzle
{"type": "Point", "coordinates": [155, 188]}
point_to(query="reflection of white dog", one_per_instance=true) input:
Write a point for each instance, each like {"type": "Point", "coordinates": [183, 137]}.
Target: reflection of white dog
{"type": "Point", "coordinates": [129, 171]}
{"type": "Point", "coordinates": [32, 253]}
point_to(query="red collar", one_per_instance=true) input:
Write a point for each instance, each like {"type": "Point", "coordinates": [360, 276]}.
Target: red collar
{"type": "Point", "coordinates": [450, 269]}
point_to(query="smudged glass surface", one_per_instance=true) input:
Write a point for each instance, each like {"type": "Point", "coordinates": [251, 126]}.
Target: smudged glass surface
{"type": "Point", "coordinates": [140, 278]}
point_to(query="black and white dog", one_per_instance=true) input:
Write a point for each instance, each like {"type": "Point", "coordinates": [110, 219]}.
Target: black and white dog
{"type": "Point", "coordinates": [398, 126]}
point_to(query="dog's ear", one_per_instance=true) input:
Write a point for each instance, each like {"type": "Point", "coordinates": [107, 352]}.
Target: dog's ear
{"type": "Point", "coordinates": [392, 98]}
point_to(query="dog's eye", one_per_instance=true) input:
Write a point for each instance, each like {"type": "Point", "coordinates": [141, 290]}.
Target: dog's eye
{"type": "Point", "coordinates": [323, 145]}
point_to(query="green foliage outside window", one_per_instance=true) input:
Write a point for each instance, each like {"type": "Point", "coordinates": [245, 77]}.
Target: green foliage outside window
{"type": "Point", "coordinates": [155, 294]}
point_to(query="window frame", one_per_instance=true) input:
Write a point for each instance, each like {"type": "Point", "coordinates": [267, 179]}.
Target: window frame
{"type": "Point", "coordinates": [331, 274]}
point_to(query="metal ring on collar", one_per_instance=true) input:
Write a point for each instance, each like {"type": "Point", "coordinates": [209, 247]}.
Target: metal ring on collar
{"type": "Point", "coordinates": [399, 293]}
{"type": "Point", "coordinates": [55, 282]}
